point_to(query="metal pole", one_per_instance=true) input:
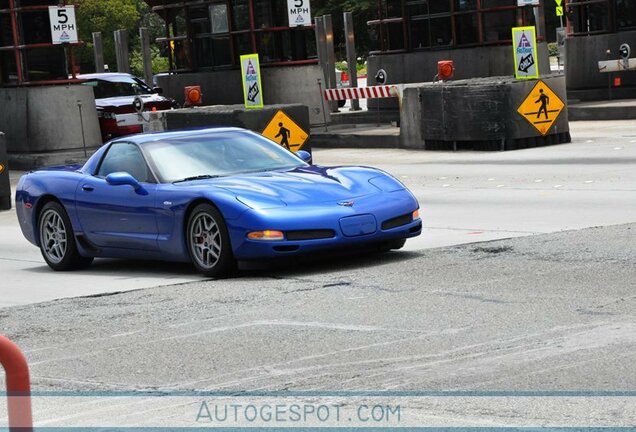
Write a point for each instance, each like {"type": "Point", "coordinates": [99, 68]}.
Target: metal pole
{"type": "Point", "coordinates": [609, 77]}
{"type": "Point", "coordinates": [66, 60]}
{"type": "Point", "coordinates": [321, 47]}
{"type": "Point", "coordinates": [121, 50]}
{"type": "Point", "coordinates": [322, 101]}
{"type": "Point", "coordinates": [98, 50]}
{"type": "Point", "coordinates": [331, 60]}
{"type": "Point", "coordinates": [16, 41]}
{"type": "Point", "coordinates": [144, 37]}
{"type": "Point", "coordinates": [18, 386]}
{"type": "Point", "coordinates": [352, 61]}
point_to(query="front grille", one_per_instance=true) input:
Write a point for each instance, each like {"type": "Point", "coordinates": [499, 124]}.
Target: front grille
{"type": "Point", "coordinates": [397, 221]}
{"type": "Point", "coordinates": [309, 234]}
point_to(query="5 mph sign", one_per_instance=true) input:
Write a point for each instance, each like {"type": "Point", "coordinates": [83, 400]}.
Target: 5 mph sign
{"type": "Point", "coordinates": [63, 25]}
{"type": "Point", "coordinates": [299, 12]}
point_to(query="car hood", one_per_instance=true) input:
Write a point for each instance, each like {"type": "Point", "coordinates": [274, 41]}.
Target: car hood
{"type": "Point", "coordinates": [305, 186]}
{"type": "Point", "coordinates": [121, 101]}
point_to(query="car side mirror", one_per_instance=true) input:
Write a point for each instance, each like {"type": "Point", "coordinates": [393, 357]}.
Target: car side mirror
{"type": "Point", "coordinates": [305, 156]}
{"type": "Point", "coordinates": [157, 90]}
{"type": "Point", "coordinates": [123, 178]}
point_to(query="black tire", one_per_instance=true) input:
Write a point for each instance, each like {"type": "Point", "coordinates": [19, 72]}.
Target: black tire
{"type": "Point", "coordinates": [209, 243]}
{"type": "Point", "coordinates": [57, 239]}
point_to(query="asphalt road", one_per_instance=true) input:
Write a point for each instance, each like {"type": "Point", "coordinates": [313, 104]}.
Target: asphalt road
{"type": "Point", "coordinates": [549, 312]}
{"type": "Point", "coordinates": [465, 197]}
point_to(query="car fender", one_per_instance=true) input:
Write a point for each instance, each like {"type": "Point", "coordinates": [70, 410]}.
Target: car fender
{"type": "Point", "coordinates": [175, 201]}
{"type": "Point", "coordinates": [36, 188]}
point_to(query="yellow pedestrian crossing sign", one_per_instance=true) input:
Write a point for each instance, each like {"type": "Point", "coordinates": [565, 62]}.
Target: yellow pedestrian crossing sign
{"type": "Point", "coordinates": [285, 131]}
{"type": "Point", "coordinates": [541, 107]}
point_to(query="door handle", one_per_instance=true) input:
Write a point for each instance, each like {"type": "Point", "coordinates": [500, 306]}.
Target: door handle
{"type": "Point", "coordinates": [88, 188]}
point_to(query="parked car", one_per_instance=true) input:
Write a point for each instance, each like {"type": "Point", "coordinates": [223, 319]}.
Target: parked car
{"type": "Point", "coordinates": [210, 197]}
{"type": "Point", "coordinates": [114, 96]}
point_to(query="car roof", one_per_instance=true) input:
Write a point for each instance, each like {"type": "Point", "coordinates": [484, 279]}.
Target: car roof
{"type": "Point", "coordinates": [184, 133]}
{"type": "Point", "coordinates": [105, 75]}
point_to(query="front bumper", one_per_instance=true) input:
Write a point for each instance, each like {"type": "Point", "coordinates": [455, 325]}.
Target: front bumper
{"type": "Point", "coordinates": [325, 217]}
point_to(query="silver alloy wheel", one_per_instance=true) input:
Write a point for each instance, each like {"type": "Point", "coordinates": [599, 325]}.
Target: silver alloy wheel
{"type": "Point", "coordinates": [205, 240]}
{"type": "Point", "coordinates": [53, 236]}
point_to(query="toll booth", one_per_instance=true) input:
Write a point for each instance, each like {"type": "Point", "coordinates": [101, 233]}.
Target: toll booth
{"type": "Point", "coordinates": [43, 117]}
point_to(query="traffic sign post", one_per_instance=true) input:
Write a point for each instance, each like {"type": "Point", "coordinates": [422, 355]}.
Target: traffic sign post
{"type": "Point", "coordinates": [286, 132]}
{"type": "Point", "coordinates": [541, 107]}
{"type": "Point", "coordinates": [524, 44]}
{"type": "Point", "coordinates": [251, 75]}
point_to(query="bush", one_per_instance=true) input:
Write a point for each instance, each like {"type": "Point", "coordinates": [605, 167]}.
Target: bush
{"type": "Point", "coordinates": [553, 50]}
{"type": "Point", "coordinates": [159, 64]}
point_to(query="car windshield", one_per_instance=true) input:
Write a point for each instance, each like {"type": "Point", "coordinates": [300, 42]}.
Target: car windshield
{"type": "Point", "coordinates": [216, 154]}
{"type": "Point", "coordinates": [117, 86]}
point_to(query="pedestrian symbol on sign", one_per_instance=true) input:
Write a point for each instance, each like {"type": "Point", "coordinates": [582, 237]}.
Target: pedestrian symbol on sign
{"type": "Point", "coordinates": [541, 107]}
{"type": "Point", "coordinates": [284, 134]}
{"type": "Point", "coordinates": [544, 101]}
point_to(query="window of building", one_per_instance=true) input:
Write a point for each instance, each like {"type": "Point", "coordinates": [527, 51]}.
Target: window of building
{"type": "Point", "coordinates": [589, 16]}
{"type": "Point", "coordinates": [27, 54]}
{"type": "Point", "coordinates": [626, 14]}
{"type": "Point", "coordinates": [442, 24]}
{"type": "Point", "coordinates": [215, 33]}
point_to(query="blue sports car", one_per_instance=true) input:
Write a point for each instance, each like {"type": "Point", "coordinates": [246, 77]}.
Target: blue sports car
{"type": "Point", "coordinates": [210, 197]}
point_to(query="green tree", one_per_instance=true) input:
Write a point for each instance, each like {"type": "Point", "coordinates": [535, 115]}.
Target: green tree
{"type": "Point", "coordinates": [363, 11]}
{"type": "Point", "coordinates": [105, 17]}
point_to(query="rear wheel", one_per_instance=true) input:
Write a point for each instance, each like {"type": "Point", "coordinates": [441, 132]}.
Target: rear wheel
{"type": "Point", "coordinates": [209, 242]}
{"type": "Point", "coordinates": [57, 240]}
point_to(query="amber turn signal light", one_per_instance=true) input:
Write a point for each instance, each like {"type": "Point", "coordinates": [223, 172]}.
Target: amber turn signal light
{"type": "Point", "coordinates": [266, 235]}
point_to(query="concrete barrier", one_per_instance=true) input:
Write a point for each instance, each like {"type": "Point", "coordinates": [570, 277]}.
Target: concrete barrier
{"type": "Point", "coordinates": [238, 116]}
{"type": "Point", "coordinates": [5, 186]}
{"type": "Point", "coordinates": [481, 114]}
{"type": "Point", "coordinates": [42, 122]}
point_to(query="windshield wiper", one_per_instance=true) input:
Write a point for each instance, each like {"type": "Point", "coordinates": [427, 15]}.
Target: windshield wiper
{"type": "Point", "coordinates": [197, 177]}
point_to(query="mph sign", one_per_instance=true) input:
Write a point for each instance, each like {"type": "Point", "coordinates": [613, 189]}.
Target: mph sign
{"type": "Point", "coordinates": [299, 13]}
{"type": "Point", "coordinates": [63, 25]}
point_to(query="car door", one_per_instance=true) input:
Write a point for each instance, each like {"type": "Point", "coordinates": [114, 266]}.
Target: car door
{"type": "Point", "coordinates": [117, 216]}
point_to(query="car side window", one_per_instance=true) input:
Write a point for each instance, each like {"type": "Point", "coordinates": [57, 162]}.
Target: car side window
{"type": "Point", "coordinates": [125, 157]}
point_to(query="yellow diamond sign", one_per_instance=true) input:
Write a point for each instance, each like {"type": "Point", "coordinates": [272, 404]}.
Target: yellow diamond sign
{"type": "Point", "coordinates": [285, 131]}
{"type": "Point", "coordinates": [541, 107]}
{"type": "Point", "coordinates": [1, 168]}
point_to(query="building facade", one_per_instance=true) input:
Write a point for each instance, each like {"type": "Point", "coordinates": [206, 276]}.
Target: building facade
{"type": "Point", "coordinates": [596, 30]}
{"type": "Point", "coordinates": [27, 54]}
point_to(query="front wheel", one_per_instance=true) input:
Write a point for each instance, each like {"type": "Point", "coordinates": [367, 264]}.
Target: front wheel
{"type": "Point", "coordinates": [208, 242]}
{"type": "Point", "coordinates": [57, 240]}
